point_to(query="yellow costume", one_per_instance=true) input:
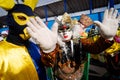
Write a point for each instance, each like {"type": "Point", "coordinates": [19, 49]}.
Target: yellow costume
{"type": "Point", "coordinates": [115, 47]}
{"type": "Point", "coordinates": [15, 60]}
{"type": "Point", "coordinates": [16, 63]}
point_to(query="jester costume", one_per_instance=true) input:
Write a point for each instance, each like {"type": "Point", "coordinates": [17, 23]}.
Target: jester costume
{"type": "Point", "coordinates": [70, 65]}
{"type": "Point", "coordinates": [73, 52]}
{"type": "Point", "coordinates": [19, 58]}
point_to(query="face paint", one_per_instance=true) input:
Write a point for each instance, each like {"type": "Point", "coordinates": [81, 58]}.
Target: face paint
{"type": "Point", "coordinates": [65, 32]}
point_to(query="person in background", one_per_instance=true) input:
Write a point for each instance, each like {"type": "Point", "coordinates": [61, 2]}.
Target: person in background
{"type": "Point", "coordinates": [4, 34]}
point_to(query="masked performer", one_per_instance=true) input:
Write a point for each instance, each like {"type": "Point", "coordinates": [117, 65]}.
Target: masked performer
{"type": "Point", "coordinates": [19, 58]}
{"type": "Point", "coordinates": [68, 64]}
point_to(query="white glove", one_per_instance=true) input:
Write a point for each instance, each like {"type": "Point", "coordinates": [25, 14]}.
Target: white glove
{"type": "Point", "coordinates": [43, 36]}
{"type": "Point", "coordinates": [109, 25]}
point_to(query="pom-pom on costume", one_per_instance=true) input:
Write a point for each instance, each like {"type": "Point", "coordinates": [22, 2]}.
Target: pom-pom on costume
{"type": "Point", "coordinates": [19, 58]}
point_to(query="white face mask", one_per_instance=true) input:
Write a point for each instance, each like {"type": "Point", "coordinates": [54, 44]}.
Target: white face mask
{"type": "Point", "coordinates": [65, 33]}
{"type": "Point", "coordinates": [65, 36]}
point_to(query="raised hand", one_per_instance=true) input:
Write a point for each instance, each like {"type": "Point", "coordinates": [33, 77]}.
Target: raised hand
{"type": "Point", "coordinates": [43, 36]}
{"type": "Point", "coordinates": [109, 25]}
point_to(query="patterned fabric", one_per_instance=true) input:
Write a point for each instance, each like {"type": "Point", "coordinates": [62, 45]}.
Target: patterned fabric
{"type": "Point", "coordinates": [70, 64]}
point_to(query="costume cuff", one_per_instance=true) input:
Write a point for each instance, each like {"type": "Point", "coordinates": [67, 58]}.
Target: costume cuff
{"type": "Point", "coordinates": [49, 50]}
{"type": "Point", "coordinates": [49, 59]}
{"type": "Point", "coordinates": [111, 41]}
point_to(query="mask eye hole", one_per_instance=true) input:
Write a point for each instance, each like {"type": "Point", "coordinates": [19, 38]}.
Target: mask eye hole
{"type": "Point", "coordinates": [21, 17]}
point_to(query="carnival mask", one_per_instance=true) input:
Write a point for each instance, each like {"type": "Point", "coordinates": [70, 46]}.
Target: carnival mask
{"type": "Point", "coordinates": [65, 32]}
{"type": "Point", "coordinates": [65, 27]}
{"type": "Point", "coordinates": [18, 15]}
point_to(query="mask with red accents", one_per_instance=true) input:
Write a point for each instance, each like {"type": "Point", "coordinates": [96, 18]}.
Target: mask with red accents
{"type": "Point", "coordinates": [65, 32]}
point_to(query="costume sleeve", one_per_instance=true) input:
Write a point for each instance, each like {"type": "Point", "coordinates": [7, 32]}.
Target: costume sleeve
{"type": "Point", "coordinates": [98, 46]}
{"type": "Point", "coordinates": [48, 59]}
